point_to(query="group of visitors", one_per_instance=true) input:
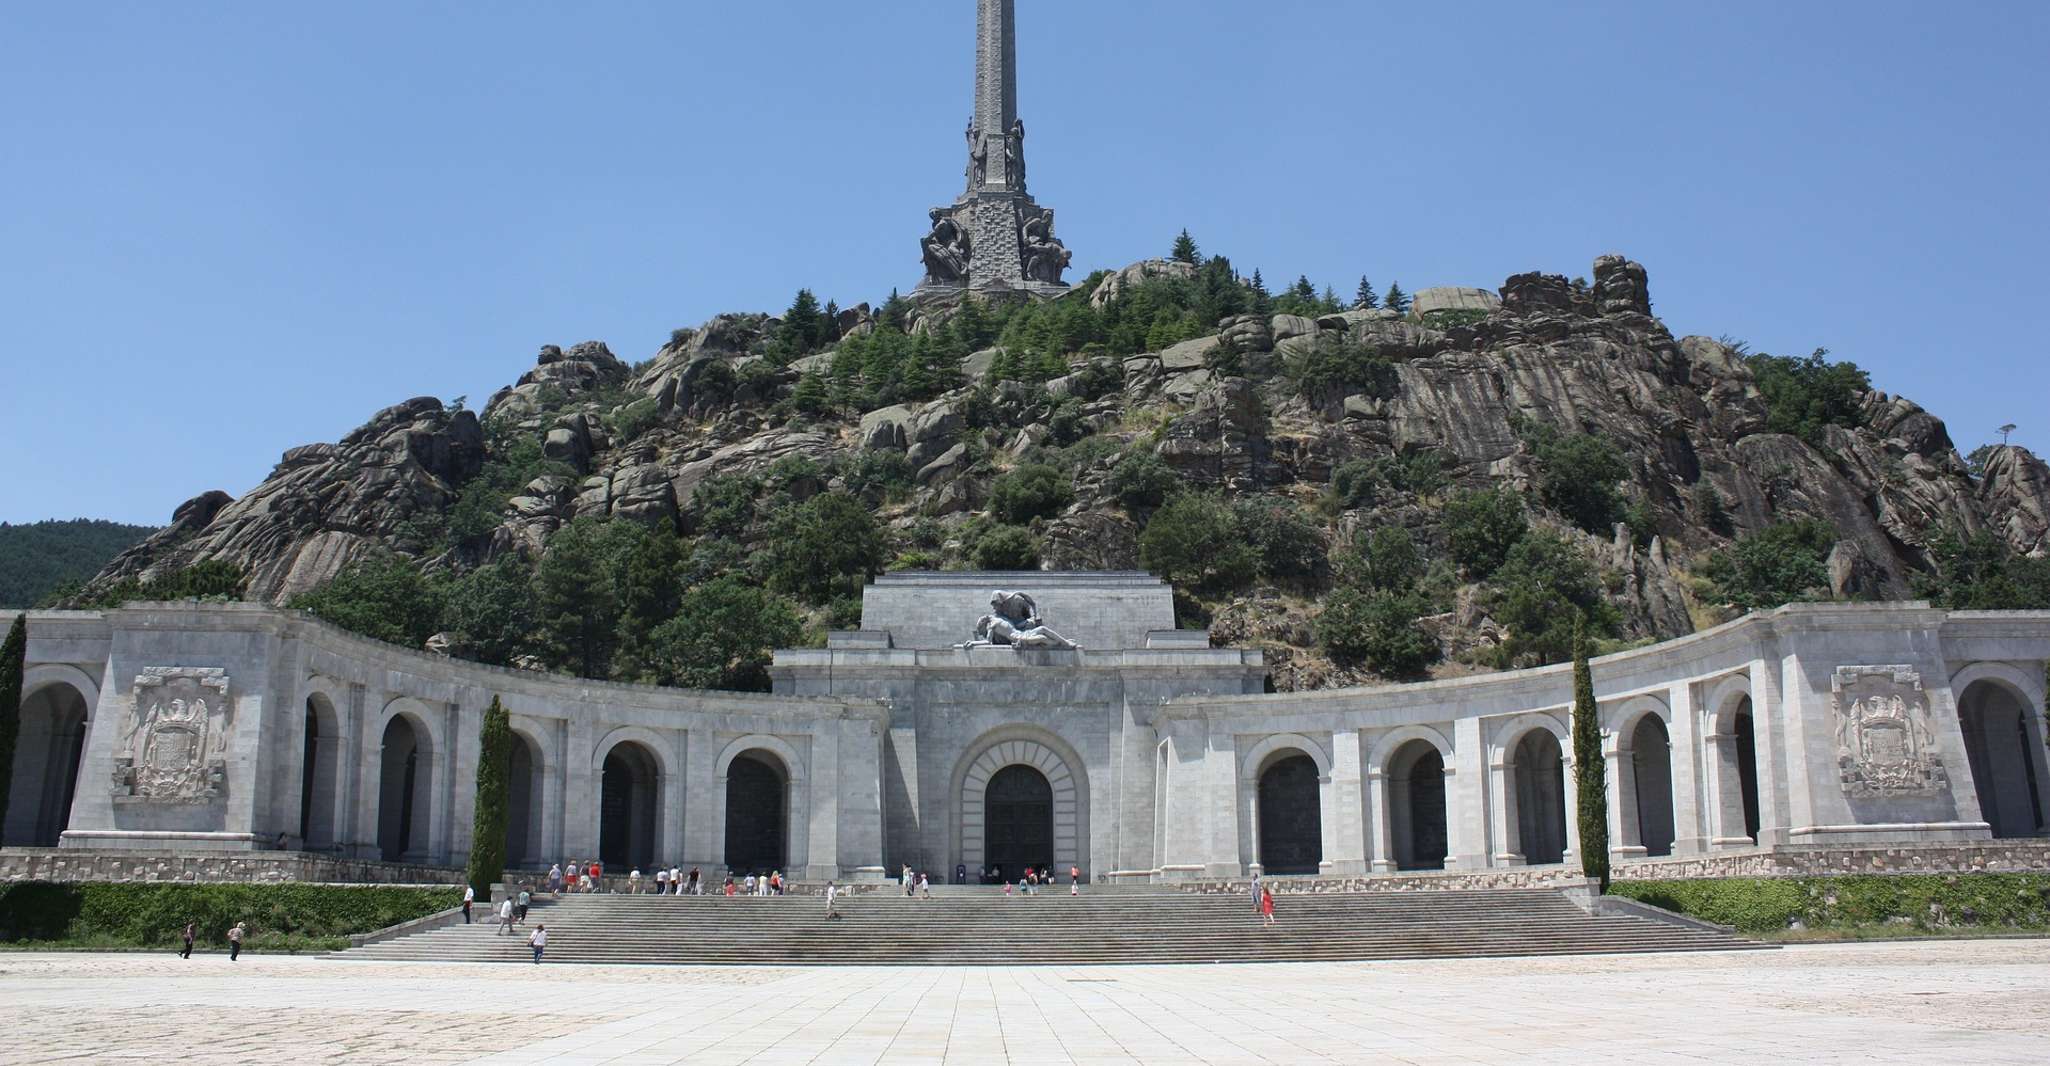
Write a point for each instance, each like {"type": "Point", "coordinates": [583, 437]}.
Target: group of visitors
{"type": "Point", "coordinates": [665, 881]}
{"type": "Point", "coordinates": [576, 877]}
{"type": "Point", "coordinates": [1035, 879]}
{"type": "Point", "coordinates": [916, 884]}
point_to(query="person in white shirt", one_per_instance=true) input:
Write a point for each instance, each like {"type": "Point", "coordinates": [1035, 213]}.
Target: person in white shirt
{"type": "Point", "coordinates": [469, 898]}
{"type": "Point", "coordinates": [661, 880]}
{"type": "Point", "coordinates": [538, 941]}
{"type": "Point", "coordinates": [505, 917]}
{"type": "Point", "coordinates": [633, 882]}
{"type": "Point", "coordinates": [676, 880]}
{"type": "Point", "coordinates": [832, 893]}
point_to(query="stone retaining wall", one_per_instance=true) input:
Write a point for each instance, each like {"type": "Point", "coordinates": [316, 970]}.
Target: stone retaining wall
{"type": "Point", "coordinates": [71, 864]}
{"type": "Point", "coordinates": [1988, 856]}
{"type": "Point", "coordinates": [1418, 881]}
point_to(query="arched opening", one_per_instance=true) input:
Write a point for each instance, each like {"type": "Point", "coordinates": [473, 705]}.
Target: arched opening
{"type": "Point", "coordinates": [1416, 806]}
{"type": "Point", "coordinates": [1017, 819]}
{"type": "Point", "coordinates": [1651, 766]}
{"type": "Point", "coordinates": [628, 784]}
{"type": "Point", "coordinates": [1540, 798]}
{"type": "Point", "coordinates": [757, 814]}
{"type": "Point", "coordinates": [405, 776]}
{"type": "Point", "coordinates": [1747, 766]}
{"type": "Point", "coordinates": [1291, 821]}
{"type": "Point", "coordinates": [2001, 753]}
{"type": "Point", "coordinates": [319, 771]}
{"type": "Point", "coordinates": [523, 793]}
{"type": "Point", "coordinates": [46, 759]}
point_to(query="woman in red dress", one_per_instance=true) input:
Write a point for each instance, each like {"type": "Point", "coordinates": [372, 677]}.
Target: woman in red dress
{"type": "Point", "coordinates": [1267, 905]}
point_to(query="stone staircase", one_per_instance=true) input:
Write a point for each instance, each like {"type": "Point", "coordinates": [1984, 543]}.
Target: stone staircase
{"type": "Point", "coordinates": [1053, 928]}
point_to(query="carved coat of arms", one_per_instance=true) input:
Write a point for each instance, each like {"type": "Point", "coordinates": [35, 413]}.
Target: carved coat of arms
{"type": "Point", "coordinates": [1883, 743]}
{"type": "Point", "coordinates": [175, 747]}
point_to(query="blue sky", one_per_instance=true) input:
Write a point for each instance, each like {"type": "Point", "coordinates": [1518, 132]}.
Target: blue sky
{"type": "Point", "coordinates": [233, 228]}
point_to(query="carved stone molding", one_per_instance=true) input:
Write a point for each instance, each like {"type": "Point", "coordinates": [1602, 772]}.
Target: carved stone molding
{"type": "Point", "coordinates": [1884, 746]}
{"type": "Point", "coordinates": [175, 741]}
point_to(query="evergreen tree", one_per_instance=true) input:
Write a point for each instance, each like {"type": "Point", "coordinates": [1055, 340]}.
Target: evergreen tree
{"type": "Point", "coordinates": [576, 598]}
{"type": "Point", "coordinates": [1364, 299]}
{"type": "Point", "coordinates": [1396, 300]}
{"type": "Point", "coordinates": [494, 773]}
{"type": "Point", "coordinates": [1303, 290]}
{"type": "Point", "coordinates": [1185, 250]}
{"type": "Point", "coordinates": [13, 663]}
{"type": "Point", "coordinates": [1590, 770]}
{"type": "Point", "coordinates": [1328, 303]}
{"type": "Point", "coordinates": [1262, 302]}
{"type": "Point", "coordinates": [651, 585]}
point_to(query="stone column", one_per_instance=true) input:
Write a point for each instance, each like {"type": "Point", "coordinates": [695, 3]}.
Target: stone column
{"type": "Point", "coordinates": [1626, 835]}
{"type": "Point", "coordinates": [822, 854]}
{"type": "Point", "coordinates": [355, 810]}
{"type": "Point", "coordinates": [672, 805]}
{"type": "Point", "coordinates": [1345, 808]}
{"type": "Point", "coordinates": [580, 792]}
{"type": "Point", "coordinates": [1569, 786]}
{"type": "Point", "coordinates": [1453, 814]}
{"type": "Point", "coordinates": [1690, 837]}
{"type": "Point", "coordinates": [1468, 805]}
{"type": "Point", "coordinates": [1380, 812]}
{"type": "Point", "coordinates": [1505, 848]}
{"type": "Point", "coordinates": [1768, 709]}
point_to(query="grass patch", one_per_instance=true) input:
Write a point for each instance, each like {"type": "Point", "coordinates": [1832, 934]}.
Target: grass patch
{"type": "Point", "coordinates": [1858, 907]}
{"type": "Point", "coordinates": [289, 918]}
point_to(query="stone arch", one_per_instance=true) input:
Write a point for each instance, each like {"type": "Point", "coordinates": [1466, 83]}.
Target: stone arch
{"type": "Point", "coordinates": [56, 711]}
{"type": "Point", "coordinates": [1413, 805]}
{"type": "Point", "coordinates": [1731, 747]}
{"type": "Point", "coordinates": [1533, 751]}
{"type": "Point", "coordinates": [320, 770]}
{"type": "Point", "coordinates": [759, 800]}
{"type": "Point", "coordinates": [1284, 777]}
{"type": "Point", "coordinates": [409, 780]}
{"type": "Point", "coordinates": [1067, 784]}
{"type": "Point", "coordinates": [2000, 719]}
{"type": "Point", "coordinates": [629, 789]}
{"type": "Point", "coordinates": [526, 785]}
{"type": "Point", "coordinates": [1644, 776]}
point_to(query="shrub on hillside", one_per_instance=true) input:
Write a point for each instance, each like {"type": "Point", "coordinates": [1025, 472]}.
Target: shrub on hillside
{"type": "Point", "coordinates": [1141, 480]}
{"type": "Point", "coordinates": [1003, 547]}
{"type": "Point", "coordinates": [1578, 476]}
{"type": "Point", "coordinates": [1542, 585]}
{"type": "Point", "coordinates": [1802, 396]}
{"type": "Point", "coordinates": [1285, 544]}
{"type": "Point", "coordinates": [1779, 564]}
{"type": "Point", "coordinates": [384, 597]}
{"type": "Point", "coordinates": [1378, 630]}
{"type": "Point", "coordinates": [1194, 540]}
{"type": "Point", "coordinates": [1033, 490]}
{"type": "Point", "coordinates": [1482, 526]}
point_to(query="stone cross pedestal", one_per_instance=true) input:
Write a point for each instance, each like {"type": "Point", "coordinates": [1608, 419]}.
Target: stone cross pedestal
{"type": "Point", "coordinates": [994, 238]}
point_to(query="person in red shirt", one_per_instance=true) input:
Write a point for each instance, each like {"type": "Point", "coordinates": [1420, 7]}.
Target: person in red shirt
{"type": "Point", "coordinates": [1267, 905]}
{"type": "Point", "coordinates": [597, 872]}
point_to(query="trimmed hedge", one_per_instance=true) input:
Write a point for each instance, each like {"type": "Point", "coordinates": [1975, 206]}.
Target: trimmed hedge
{"type": "Point", "coordinates": [287, 916]}
{"type": "Point", "coordinates": [1907, 902]}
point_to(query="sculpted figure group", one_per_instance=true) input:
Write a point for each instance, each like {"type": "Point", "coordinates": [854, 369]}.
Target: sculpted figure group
{"type": "Point", "coordinates": [1013, 621]}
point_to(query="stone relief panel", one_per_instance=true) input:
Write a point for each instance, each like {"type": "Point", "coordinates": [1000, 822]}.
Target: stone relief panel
{"type": "Point", "coordinates": [1884, 747]}
{"type": "Point", "coordinates": [175, 742]}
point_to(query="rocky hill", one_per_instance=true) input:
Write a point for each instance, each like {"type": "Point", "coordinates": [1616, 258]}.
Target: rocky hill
{"type": "Point", "coordinates": [1638, 455]}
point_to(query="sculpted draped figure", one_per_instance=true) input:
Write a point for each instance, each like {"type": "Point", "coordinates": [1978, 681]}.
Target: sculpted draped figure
{"type": "Point", "coordinates": [1045, 256]}
{"type": "Point", "coordinates": [946, 250]}
{"type": "Point", "coordinates": [1014, 621]}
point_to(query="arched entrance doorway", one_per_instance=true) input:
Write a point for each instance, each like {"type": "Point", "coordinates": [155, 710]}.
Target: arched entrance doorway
{"type": "Point", "coordinates": [523, 795]}
{"type": "Point", "coordinates": [1018, 822]}
{"type": "Point", "coordinates": [46, 758]}
{"type": "Point", "coordinates": [2002, 754]}
{"type": "Point", "coordinates": [629, 782]}
{"type": "Point", "coordinates": [757, 814]}
{"type": "Point", "coordinates": [1651, 775]}
{"type": "Point", "coordinates": [1539, 769]}
{"type": "Point", "coordinates": [319, 770]}
{"type": "Point", "coordinates": [1746, 741]}
{"type": "Point", "coordinates": [405, 778]}
{"type": "Point", "coordinates": [1416, 806]}
{"type": "Point", "coordinates": [1291, 823]}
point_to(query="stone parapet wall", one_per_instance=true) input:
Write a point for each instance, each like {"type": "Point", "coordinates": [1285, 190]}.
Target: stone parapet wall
{"type": "Point", "coordinates": [71, 864]}
{"type": "Point", "coordinates": [1988, 856]}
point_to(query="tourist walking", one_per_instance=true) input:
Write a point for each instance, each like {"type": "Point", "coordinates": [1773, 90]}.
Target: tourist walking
{"type": "Point", "coordinates": [469, 898]}
{"type": "Point", "coordinates": [505, 916]}
{"type": "Point", "coordinates": [729, 886]}
{"type": "Point", "coordinates": [924, 886]}
{"type": "Point", "coordinates": [235, 942]}
{"type": "Point", "coordinates": [187, 953]}
{"type": "Point", "coordinates": [676, 880]}
{"type": "Point", "coordinates": [521, 902]}
{"type": "Point", "coordinates": [776, 882]}
{"type": "Point", "coordinates": [633, 882]}
{"type": "Point", "coordinates": [1267, 905]}
{"type": "Point", "coordinates": [1074, 880]}
{"type": "Point", "coordinates": [1256, 893]}
{"type": "Point", "coordinates": [597, 876]}
{"type": "Point", "coordinates": [697, 883]}
{"type": "Point", "coordinates": [555, 878]}
{"type": "Point", "coordinates": [537, 941]}
{"type": "Point", "coordinates": [832, 895]}
{"type": "Point", "coordinates": [661, 880]}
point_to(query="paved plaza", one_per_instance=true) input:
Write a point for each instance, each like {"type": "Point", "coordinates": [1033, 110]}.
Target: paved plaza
{"type": "Point", "coordinates": [1930, 1002]}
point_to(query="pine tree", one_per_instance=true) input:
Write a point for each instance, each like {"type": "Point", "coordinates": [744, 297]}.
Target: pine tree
{"type": "Point", "coordinates": [1185, 250]}
{"type": "Point", "coordinates": [1365, 300]}
{"type": "Point", "coordinates": [1590, 770]}
{"type": "Point", "coordinates": [1303, 290]}
{"type": "Point", "coordinates": [1262, 302]}
{"type": "Point", "coordinates": [1396, 300]}
{"type": "Point", "coordinates": [1328, 303]}
{"type": "Point", "coordinates": [13, 663]}
{"type": "Point", "coordinates": [494, 773]}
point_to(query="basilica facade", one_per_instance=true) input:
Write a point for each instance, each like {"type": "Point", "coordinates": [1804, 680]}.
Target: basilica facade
{"type": "Point", "coordinates": [1073, 725]}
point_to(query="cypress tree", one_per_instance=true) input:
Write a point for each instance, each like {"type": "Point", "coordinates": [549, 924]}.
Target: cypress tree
{"type": "Point", "coordinates": [1185, 250]}
{"type": "Point", "coordinates": [1365, 300]}
{"type": "Point", "coordinates": [1590, 774]}
{"type": "Point", "coordinates": [13, 660]}
{"type": "Point", "coordinates": [1396, 300]}
{"type": "Point", "coordinates": [494, 768]}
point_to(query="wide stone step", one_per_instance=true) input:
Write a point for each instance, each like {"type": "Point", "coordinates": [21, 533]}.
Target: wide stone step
{"type": "Point", "coordinates": [1051, 929]}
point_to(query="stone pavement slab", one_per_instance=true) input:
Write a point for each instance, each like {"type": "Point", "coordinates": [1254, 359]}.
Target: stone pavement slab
{"type": "Point", "coordinates": [1938, 1001]}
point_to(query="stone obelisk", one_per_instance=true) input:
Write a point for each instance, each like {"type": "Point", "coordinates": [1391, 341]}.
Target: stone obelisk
{"type": "Point", "coordinates": [994, 238]}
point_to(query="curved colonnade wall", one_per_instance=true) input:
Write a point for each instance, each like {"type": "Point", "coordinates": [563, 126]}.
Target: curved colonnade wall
{"type": "Point", "coordinates": [1143, 754]}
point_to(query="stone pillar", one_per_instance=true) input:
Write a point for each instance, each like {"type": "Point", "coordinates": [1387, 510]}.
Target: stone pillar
{"type": "Point", "coordinates": [1690, 836]}
{"type": "Point", "coordinates": [1569, 785]}
{"type": "Point", "coordinates": [580, 792]}
{"type": "Point", "coordinates": [1380, 813]}
{"type": "Point", "coordinates": [704, 840]}
{"type": "Point", "coordinates": [1344, 813]}
{"type": "Point", "coordinates": [1453, 813]}
{"type": "Point", "coordinates": [1626, 835]}
{"type": "Point", "coordinates": [356, 810]}
{"type": "Point", "coordinates": [1468, 805]}
{"type": "Point", "coordinates": [1506, 848]}
{"type": "Point", "coordinates": [671, 806]}
{"type": "Point", "coordinates": [821, 859]}
{"type": "Point", "coordinates": [1768, 708]}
